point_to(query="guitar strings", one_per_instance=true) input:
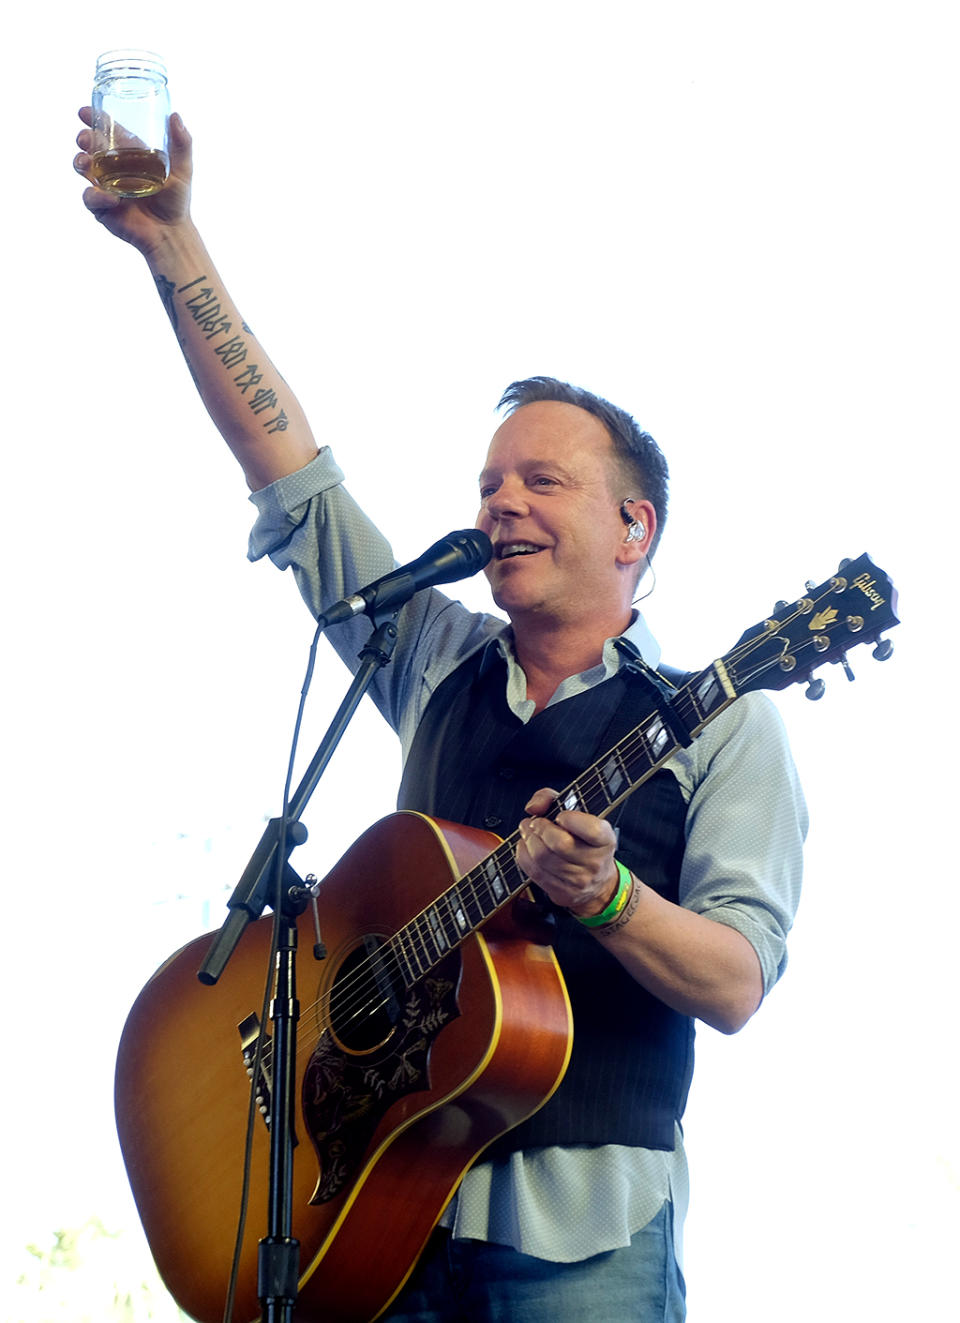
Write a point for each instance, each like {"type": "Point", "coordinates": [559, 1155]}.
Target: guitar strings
{"type": "Point", "coordinates": [390, 956]}
{"type": "Point", "coordinates": [357, 994]}
{"type": "Point", "coordinates": [474, 887]}
{"type": "Point", "coordinates": [352, 996]}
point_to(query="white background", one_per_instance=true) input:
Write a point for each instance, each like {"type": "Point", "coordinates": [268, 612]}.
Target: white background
{"type": "Point", "coordinates": [737, 221]}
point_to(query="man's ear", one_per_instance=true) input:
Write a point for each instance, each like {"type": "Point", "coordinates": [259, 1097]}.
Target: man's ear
{"type": "Point", "coordinates": [640, 519]}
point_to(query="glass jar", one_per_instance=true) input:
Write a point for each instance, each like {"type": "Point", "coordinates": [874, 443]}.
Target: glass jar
{"type": "Point", "coordinates": [131, 106]}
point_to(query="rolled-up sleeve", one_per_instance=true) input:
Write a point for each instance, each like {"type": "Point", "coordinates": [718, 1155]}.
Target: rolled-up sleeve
{"type": "Point", "coordinates": [746, 823]}
{"type": "Point", "coordinates": [309, 523]}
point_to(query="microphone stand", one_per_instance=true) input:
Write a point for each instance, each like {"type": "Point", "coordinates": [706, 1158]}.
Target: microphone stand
{"type": "Point", "coordinates": [278, 1265]}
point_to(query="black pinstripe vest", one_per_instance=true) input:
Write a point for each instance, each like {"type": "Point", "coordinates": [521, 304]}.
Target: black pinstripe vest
{"type": "Point", "coordinates": [473, 761]}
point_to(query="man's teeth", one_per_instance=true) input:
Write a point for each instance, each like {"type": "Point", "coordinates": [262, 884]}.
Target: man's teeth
{"type": "Point", "coordinates": [518, 549]}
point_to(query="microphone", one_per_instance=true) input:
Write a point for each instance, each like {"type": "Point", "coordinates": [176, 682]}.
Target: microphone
{"type": "Point", "coordinates": [456, 556]}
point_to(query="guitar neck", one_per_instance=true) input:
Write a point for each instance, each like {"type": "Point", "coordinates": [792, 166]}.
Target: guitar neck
{"type": "Point", "coordinates": [675, 720]}
{"type": "Point", "coordinates": [851, 607]}
{"type": "Point", "coordinates": [463, 908]}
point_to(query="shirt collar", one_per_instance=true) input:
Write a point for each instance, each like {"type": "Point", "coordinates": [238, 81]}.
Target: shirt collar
{"type": "Point", "coordinates": [637, 634]}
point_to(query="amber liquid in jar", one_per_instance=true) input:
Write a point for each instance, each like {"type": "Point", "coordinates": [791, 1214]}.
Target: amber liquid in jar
{"type": "Point", "coordinates": [130, 172]}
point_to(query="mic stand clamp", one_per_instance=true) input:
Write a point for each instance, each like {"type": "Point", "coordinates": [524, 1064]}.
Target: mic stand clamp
{"type": "Point", "coordinates": [252, 893]}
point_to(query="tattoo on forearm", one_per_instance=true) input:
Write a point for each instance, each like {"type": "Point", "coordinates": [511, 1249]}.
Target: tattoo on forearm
{"type": "Point", "coordinates": [202, 302]}
{"type": "Point", "coordinates": [165, 289]}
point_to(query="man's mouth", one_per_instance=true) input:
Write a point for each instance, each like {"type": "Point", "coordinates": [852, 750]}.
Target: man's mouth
{"type": "Point", "coordinates": [507, 550]}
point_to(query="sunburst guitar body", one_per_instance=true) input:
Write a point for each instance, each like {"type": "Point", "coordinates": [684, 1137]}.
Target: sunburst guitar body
{"type": "Point", "coordinates": [399, 1090]}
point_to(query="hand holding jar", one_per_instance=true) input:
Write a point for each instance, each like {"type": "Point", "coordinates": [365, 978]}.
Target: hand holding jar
{"type": "Point", "coordinates": [135, 153]}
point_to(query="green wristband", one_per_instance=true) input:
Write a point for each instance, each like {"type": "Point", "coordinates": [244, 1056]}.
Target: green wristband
{"type": "Point", "coordinates": [620, 898]}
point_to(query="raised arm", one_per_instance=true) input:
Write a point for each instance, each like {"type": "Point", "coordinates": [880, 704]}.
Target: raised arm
{"type": "Point", "coordinates": [252, 406]}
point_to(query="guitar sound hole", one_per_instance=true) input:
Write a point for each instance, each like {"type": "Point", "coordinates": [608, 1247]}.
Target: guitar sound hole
{"type": "Point", "coordinates": [366, 1000]}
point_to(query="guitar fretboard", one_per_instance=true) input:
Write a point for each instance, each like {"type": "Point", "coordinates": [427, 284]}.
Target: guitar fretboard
{"type": "Point", "coordinates": [464, 907]}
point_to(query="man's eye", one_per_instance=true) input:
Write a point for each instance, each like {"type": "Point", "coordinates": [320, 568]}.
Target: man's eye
{"type": "Point", "coordinates": [486, 491]}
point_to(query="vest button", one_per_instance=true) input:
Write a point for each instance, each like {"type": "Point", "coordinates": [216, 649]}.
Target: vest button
{"type": "Point", "coordinates": [491, 821]}
{"type": "Point", "coordinates": [506, 773]}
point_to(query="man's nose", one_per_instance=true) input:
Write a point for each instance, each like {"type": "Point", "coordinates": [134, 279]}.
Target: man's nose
{"type": "Point", "coordinates": [508, 501]}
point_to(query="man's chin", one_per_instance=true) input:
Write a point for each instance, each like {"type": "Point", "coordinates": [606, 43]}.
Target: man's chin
{"type": "Point", "coordinates": [515, 603]}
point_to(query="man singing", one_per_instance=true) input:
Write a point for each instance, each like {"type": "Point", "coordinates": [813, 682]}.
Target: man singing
{"type": "Point", "coordinates": [674, 908]}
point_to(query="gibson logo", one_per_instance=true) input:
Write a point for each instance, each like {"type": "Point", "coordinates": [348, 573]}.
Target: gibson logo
{"type": "Point", "coordinates": [866, 586]}
{"type": "Point", "coordinates": [823, 620]}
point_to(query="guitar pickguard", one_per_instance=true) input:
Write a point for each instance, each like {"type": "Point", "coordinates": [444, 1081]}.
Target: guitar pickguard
{"type": "Point", "coordinates": [345, 1093]}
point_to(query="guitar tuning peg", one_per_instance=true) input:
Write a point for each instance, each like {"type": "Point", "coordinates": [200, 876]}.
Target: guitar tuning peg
{"type": "Point", "coordinates": [780, 606]}
{"type": "Point", "coordinates": [809, 585]}
{"type": "Point", "coordinates": [815, 690]}
{"type": "Point", "coordinates": [842, 659]}
{"type": "Point", "coordinates": [843, 564]}
{"type": "Point", "coordinates": [884, 650]}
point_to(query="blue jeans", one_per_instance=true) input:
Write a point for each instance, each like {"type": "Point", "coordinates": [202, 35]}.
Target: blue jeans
{"type": "Point", "coordinates": [472, 1281]}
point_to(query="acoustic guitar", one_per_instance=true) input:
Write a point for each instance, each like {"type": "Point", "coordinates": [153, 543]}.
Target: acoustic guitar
{"type": "Point", "coordinates": [437, 1021]}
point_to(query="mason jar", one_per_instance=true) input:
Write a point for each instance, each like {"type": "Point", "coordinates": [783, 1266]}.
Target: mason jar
{"type": "Point", "coordinates": [131, 107]}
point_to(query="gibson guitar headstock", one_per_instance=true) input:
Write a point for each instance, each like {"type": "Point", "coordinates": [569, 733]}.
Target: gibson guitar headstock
{"type": "Point", "coordinates": [855, 606]}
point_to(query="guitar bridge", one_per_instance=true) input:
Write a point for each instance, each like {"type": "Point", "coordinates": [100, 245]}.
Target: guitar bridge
{"type": "Point", "coordinates": [250, 1036]}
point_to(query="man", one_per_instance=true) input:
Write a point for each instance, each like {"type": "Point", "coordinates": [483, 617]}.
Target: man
{"type": "Point", "coordinates": [676, 909]}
